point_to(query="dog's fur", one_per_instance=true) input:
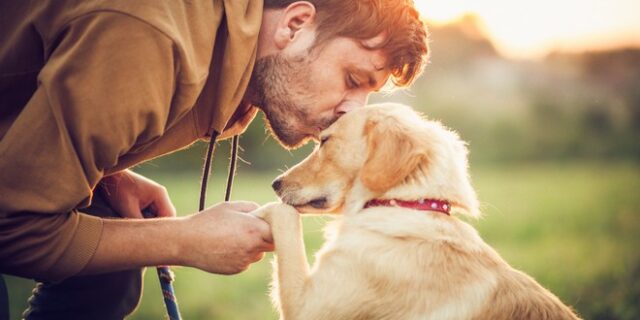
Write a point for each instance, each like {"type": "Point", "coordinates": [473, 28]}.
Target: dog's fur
{"type": "Point", "coordinates": [393, 262]}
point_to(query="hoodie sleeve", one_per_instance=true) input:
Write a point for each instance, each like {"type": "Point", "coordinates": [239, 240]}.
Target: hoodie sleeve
{"type": "Point", "coordinates": [106, 87]}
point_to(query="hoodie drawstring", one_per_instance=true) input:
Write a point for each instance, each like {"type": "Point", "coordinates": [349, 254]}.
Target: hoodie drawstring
{"type": "Point", "coordinates": [164, 273]}
{"type": "Point", "coordinates": [206, 170]}
{"type": "Point", "coordinates": [232, 166]}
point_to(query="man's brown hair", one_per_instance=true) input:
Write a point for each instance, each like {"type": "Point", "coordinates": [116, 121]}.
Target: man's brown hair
{"type": "Point", "coordinates": [405, 42]}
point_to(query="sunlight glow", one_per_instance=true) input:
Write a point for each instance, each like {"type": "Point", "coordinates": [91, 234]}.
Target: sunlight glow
{"type": "Point", "coordinates": [530, 29]}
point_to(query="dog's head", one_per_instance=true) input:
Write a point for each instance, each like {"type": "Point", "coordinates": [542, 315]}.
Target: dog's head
{"type": "Point", "coordinates": [385, 151]}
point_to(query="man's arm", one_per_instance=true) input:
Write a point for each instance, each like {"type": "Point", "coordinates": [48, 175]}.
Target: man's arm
{"type": "Point", "coordinates": [222, 239]}
{"type": "Point", "coordinates": [107, 86]}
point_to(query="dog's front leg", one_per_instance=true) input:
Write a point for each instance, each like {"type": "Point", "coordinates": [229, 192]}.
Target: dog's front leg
{"type": "Point", "coordinates": [292, 265]}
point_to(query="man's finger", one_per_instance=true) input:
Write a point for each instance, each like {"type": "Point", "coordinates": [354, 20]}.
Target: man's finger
{"type": "Point", "coordinates": [130, 209]}
{"type": "Point", "coordinates": [243, 206]}
{"type": "Point", "coordinates": [258, 257]}
{"type": "Point", "coordinates": [265, 230]}
{"type": "Point", "coordinates": [269, 247]}
{"type": "Point", "coordinates": [164, 207]}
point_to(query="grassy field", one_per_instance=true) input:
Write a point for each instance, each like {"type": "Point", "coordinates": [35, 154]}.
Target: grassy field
{"type": "Point", "coordinates": [574, 227]}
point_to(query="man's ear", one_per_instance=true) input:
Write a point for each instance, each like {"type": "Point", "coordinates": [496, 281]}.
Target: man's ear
{"type": "Point", "coordinates": [295, 17]}
{"type": "Point", "coordinates": [392, 154]}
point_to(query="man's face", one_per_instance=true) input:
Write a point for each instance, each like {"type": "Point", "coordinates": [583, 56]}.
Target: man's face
{"type": "Point", "coordinates": [303, 93]}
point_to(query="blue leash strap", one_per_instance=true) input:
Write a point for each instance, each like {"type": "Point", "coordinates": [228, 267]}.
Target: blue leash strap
{"type": "Point", "coordinates": [166, 277]}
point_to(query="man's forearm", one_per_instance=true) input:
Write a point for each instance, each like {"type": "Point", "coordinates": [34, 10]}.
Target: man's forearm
{"type": "Point", "coordinates": [135, 243]}
{"type": "Point", "coordinates": [221, 239]}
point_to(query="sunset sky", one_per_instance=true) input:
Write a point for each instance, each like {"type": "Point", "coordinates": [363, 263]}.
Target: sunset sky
{"type": "Point", "coordinates": [530, 29]}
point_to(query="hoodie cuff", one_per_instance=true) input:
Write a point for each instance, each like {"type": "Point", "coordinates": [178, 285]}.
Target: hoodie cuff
{"type": "Point", "coordinates": [80, 250]}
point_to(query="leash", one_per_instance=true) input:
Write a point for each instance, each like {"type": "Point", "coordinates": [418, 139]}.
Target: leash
{"type": "Point", "coordinates": [165, 275]}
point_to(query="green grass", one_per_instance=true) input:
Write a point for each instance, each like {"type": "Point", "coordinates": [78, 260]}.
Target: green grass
{"type": "Point", "coordinates": [574, 227]}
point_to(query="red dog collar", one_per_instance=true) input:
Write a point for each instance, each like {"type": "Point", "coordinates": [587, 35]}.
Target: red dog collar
{"type": "Point", "coordinates": [442, 206]}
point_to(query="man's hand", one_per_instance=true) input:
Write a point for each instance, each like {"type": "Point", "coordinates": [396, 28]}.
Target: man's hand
{"type": "Point", "coordinates": [222, 239]}
{"type": "Point", "coordinates": [129, 193]}
{"type": "Point", "coordinates": [270, 211]}
{"type": "Point", "coordinates": [225, 238]}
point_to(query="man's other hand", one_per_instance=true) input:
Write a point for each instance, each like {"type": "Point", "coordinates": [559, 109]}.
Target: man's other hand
{"type": "Point", "coordinates": [225, 239]}
{"type": "Point", "coordinates": [129, 193]}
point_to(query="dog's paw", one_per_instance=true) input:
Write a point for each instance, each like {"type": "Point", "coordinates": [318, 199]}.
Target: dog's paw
{"type": "Point", "coordinates": [269, 210]}
{"type": "Point", "coordinates": [261, 212]}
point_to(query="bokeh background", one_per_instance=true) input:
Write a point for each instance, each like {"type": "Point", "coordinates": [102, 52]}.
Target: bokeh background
{"type": "Point", "coordinates": [547, 93]}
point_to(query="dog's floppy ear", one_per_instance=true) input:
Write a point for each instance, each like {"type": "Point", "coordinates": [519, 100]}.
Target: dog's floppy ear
{"type": "Point", "coordinates": [392, 154]}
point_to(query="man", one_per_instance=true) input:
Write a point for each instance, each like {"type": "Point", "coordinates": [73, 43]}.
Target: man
{"type": "Point", "coordinates": [89, 88]}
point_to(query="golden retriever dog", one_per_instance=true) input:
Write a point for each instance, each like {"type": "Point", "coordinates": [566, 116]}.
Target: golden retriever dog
{"type": "Point", "coordinates": [395, 252]}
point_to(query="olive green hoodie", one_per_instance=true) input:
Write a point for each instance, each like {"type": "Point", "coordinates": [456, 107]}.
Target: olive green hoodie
{"type": "Point", "coordinates": [91, 87]}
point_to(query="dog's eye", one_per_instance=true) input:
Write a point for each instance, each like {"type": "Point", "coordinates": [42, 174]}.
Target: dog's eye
{"type": "Point", "coordinates": [324, 139]}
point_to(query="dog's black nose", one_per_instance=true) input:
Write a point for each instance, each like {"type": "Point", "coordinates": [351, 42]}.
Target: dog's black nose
{"type": "Point", "coordinates": [276, 185]}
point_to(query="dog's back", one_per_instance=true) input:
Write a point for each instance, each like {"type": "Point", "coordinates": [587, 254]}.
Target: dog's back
{"type": "Point", "coordinates": [518, 296]}
{"type": "Point", "coordinates": [425, 265]}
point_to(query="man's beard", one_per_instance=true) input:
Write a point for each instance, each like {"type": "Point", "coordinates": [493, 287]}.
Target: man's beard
{"type": "Point", "coordinates": [280, 86]}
